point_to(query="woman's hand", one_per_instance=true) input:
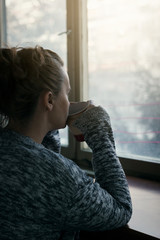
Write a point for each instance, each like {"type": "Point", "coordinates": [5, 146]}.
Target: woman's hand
{"type": "Point", "coordinates": [73, 117]}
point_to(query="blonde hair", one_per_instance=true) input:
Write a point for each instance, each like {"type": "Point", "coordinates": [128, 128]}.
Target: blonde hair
{"type": "Point", "coordinates": [24, 74]}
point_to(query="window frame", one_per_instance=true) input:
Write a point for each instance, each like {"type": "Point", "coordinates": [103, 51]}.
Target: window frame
{"type": "Point", "coordinates": [77, 60]}
{"type": "Point", "coordinates": [3, 26]}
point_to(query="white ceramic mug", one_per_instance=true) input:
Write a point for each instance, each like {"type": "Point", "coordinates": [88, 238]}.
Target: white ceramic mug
{"type": "Point", "coordinates": [75, 110]}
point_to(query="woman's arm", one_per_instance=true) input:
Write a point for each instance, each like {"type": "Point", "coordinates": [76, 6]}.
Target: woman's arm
{"type": "Point", "coordinates": [105, 204]}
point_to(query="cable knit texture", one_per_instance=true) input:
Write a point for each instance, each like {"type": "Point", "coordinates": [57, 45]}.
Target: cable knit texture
{"type": "Point", "coordinates": [44, 195]}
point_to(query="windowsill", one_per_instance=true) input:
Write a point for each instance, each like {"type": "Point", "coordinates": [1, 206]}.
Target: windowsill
{"type": "Point", "coordinates": [145, 219]}
{"type": "Point", "coordinates": [146, 206]}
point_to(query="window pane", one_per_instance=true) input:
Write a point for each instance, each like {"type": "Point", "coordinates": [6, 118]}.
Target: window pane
{"type": "Point", "coordinates": [124, 71]}
{"type": "Point", "coordinates": [38, 22]}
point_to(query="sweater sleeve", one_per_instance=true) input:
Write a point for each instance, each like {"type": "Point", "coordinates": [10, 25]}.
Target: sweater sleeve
{"type": "Point", "coordinates": [105, 204]}
{"type": "Point", "coordinates": [52, 141]}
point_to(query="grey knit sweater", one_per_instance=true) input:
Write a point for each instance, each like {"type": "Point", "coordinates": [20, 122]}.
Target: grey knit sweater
{"type": "Point", "coordinates": [44, 195]}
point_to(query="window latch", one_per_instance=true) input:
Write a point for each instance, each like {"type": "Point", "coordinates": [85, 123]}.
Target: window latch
{"type": "Point", "coordinates": [65, 32]}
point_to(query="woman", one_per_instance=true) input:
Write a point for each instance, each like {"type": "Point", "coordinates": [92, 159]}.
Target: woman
{"type": "Point", "coordinates": [44, 195]}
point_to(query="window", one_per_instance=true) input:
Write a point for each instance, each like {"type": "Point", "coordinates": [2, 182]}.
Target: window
{"type": "Point", "coordinates": [111, 51]}
{"type": "Point", "coordinates": [122, 74]}
{"type": "Point", "coordinates": [38, 22]}
{"type": "Point", "coordinates": [124, 71]}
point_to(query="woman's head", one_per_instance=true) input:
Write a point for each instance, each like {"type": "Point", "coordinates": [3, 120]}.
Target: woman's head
{"type": "Point", "coordinates": [24, 74]}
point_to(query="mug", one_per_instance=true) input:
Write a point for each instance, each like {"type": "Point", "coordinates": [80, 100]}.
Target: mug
{"type": "Point", "coordinates": [75, 110]}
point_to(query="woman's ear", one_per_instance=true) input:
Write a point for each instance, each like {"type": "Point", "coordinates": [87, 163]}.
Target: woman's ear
{"type": "Point", "coordinates": [49, 100]}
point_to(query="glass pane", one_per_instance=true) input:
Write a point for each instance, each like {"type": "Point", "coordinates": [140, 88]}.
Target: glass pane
{"type": "Point", "coordinates": [124, 72]}
{"type": "Point", "coordinates": [38, 22]}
